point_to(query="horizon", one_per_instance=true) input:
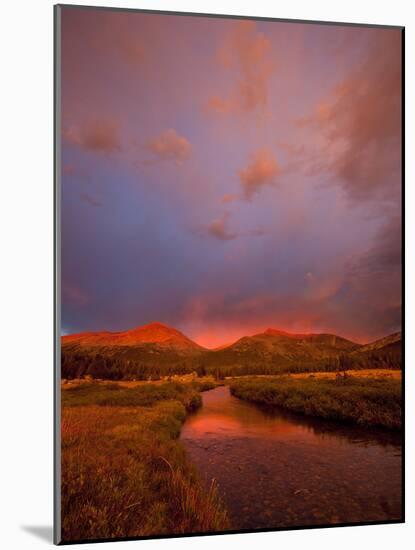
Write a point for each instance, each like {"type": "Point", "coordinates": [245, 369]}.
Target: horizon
{"type": "Point", "coordinates": [282, 331]}
{"type": "Point", "coordinates": [227, 176]}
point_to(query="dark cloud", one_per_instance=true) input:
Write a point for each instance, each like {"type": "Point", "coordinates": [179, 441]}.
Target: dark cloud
{"type": "Point", "coordinates": [377, 273]}
{"type": "Point", "coordinates": [370, 296]}
{"type": "Point", "coordinates": [358, 297]}
{"type": "Point", "coordinates": [361, 121]}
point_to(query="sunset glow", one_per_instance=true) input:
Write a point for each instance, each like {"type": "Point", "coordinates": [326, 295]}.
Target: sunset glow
{"type": "Point", "coordinates": [226, 176]}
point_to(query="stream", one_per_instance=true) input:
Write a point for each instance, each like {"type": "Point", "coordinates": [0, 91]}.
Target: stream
{"type": "Point", "coordinates": [275, 469]}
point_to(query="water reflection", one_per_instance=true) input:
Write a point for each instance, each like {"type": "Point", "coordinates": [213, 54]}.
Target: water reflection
{"type": "Point", "coordinates": [277, 469]}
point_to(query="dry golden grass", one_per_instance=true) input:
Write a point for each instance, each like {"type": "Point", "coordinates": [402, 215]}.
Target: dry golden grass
{"type": "Point", "coordinates": [70, 384]}
{"type": "Point", "coordinates": [364, 373]}
{"type": "Point", "coordinates": [206, 381]}
{"type": "Point", "coordinates": [124, 473]}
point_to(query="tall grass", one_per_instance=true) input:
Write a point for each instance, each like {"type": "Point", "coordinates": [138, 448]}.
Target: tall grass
{"type": "Point", "coordinates": [365, 401]}
{"type": "Point", "coordinates": [111, 394]}
{"type": "Point", "coordinates": [124, 473]}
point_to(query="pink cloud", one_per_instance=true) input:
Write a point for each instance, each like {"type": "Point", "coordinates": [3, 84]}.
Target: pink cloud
{"type": "Point", "coordinates": [228, 198]}
{"type": "Point", "coordinates": [218, 228]}
{"type": "Point", "coordinates": [99, 135]}
{"type": "Point", "coordinates": [263, 170]}
{"type": "Point", "coordinates": [130, 47]}
{"type": "Point", "coordinates": [170, 146]}
{"type": "Point", "coordinates": [218, 105]}
{"type": "Point", "coordinates": [247, 53]}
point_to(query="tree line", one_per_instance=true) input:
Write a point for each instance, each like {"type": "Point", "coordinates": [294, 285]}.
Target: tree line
{"type": "Point", "coordinates": [125, 366]}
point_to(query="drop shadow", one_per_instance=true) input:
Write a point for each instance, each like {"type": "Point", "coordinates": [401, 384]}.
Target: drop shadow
{"type": "Point", "coordinates": [43, 532]}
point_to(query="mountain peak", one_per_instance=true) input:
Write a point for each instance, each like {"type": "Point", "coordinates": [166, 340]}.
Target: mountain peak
{"type": "Point", "coordinates": [278, 332]}
{"type": "Point", "coordinates": [292, 335]}
{"type": "Point", "coordinates": [152, 333]}
{"type": "Point", "coordinates": [154, 326]}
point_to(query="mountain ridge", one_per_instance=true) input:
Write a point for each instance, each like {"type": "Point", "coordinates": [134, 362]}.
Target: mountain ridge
{"type": "Point", "coordinates": [160, 333]}
{"type": "Point", "coordinates": [155, 350]}
{"type": "Point", "coordinates": [152, 333]}
{"type": "Point", "coordinates": [383, 342]}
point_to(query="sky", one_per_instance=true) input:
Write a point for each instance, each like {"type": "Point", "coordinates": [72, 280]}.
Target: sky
{"type": "Point", "coordinates": [225, 176]}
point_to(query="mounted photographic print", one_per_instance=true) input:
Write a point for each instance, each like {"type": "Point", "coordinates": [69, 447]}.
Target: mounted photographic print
{"type": "Point", "coordinates": [228, 274]}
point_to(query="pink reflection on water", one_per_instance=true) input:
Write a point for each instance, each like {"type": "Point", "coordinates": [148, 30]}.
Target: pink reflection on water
{"type": "Point", "coordinates": [277, 469]}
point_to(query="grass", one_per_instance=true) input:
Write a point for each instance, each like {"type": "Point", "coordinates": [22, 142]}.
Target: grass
{"type": "Point", "coordinates": [124, 473]}
{"type": "Point", "coordinates": [111, 394]}
{"type": "Point", "coordinates": [364, 373]}
{"type": "Point", "coordinates": [361, 400]}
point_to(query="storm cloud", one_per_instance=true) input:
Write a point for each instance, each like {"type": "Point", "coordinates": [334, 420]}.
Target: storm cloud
{"type": "Point", "coordinates": [224, 177]}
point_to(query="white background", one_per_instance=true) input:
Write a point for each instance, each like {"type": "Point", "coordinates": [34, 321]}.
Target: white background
{"type": "Point", "coordinates": [26, 301]}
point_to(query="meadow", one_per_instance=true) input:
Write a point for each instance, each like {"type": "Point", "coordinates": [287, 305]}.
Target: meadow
{"type": "Point", "coordinates": [124, 474]}
{"type": "Point", "coordinates": [364, 400]}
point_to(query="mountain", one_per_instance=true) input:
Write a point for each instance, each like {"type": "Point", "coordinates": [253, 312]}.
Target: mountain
{"type": "Point", "coordinates": [388, 342]}
{"type": "Point", "coordinates": [279, 350]}
{"type": "Point", "coordinates": [156, 350]}
{"type": "Point", "coordinates": [154, 333]}
{"type": "Point", "coordinates": [274, 340]}
{"type": "Point", "coordinates": [383, 353]}
{"type": "Point", "coordinates": [151, 350]}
